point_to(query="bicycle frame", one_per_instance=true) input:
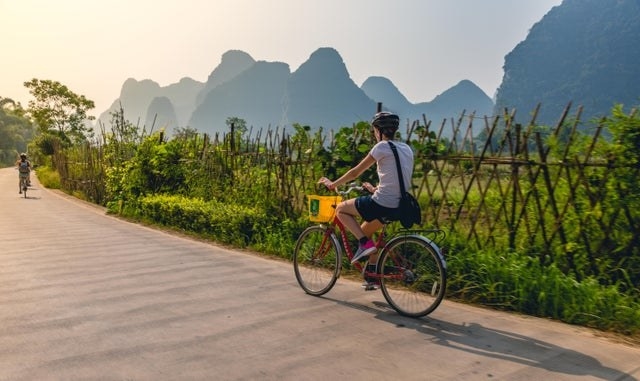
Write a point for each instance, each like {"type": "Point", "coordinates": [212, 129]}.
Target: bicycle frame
{"type": "Point", "coordinates": [345, 246]}
{"type": "Point", "coordinates": [382, 243]}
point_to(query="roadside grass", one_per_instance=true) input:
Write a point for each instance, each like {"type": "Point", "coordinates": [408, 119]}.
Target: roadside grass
{"type": "Point", "coordinates": [48, 177]}
{"type": "Point", "coordinates": [515, 282]}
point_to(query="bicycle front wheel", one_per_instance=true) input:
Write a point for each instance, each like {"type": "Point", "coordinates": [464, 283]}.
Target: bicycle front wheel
{"type": "Point", "coordinates": [317, 260]}
{"type": "Point", "coordinates": [412, 276]}
{"type": "Point", "coordinates": [23, 186]}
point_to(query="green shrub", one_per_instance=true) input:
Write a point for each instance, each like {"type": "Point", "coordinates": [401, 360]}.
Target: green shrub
{"type": "Point", "coordinates": [48, 177]}
{"type": "Point", "coordinates": [516, 282]}
{"type": "Point", "coordinates": [223, 222]}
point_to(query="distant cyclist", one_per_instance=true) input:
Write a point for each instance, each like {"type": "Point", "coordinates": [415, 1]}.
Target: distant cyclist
{"type": "Point", "coordinates": [24, 170]}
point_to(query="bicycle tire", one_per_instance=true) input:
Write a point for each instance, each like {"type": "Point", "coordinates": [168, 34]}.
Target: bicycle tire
{"type": "Point", "coordinates": [317, 260]}
{"type": "Point", "coordinates": [412, 275]}
{"type": "Point", "coordinates": [23, 186]}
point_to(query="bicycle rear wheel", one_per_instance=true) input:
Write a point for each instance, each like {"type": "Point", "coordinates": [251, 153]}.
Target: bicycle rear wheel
{"type": "Point", "coordinates": [317, 260]}
{"type": "Point", "coordinates": [413, 276]}
{"type": "Point", "coordinates": [23, 186]}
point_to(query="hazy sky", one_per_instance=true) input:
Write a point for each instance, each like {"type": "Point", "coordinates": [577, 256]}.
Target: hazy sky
{"type": "Point", "coordinates": [423, 46]}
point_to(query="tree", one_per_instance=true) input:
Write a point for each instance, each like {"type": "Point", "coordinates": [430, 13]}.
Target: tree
{"type": "Point", "coordinates": [15, 131]}
{"type": "Point", "coordinates": [59, 111]}
{"type": "Point", "coordinates": [238, 127]}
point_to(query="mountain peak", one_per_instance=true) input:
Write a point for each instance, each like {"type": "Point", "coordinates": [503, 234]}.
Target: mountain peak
{"type": "Point", "coordinates": [381, 89]}
{"type": "Point", "coordinates": [232, 63]}
{"type": "Point", "coordinates": [463, 87]}
{"type": "Point", "coordinates": [465, 93]}
{"type": "Point", "coordinates": [236, 57]}
{"type": "Point", "coordinates": [320, 90]}
{"type": "Point", "coordinates": [327, 53]}
{"type": "Point", "coordinates": [323, 60]}
{"type": "Point", "coordinates": [134, 87]}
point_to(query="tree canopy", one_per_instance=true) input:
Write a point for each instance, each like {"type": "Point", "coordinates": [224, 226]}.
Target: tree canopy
{"type": "Point", "coordinates": [15, 131]}
{"type": "Point", "coordinates": [59, 111]}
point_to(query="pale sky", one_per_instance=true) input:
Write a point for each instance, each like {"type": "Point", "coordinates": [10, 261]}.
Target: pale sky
{"type": "Point", "coordinates": [423, 46]}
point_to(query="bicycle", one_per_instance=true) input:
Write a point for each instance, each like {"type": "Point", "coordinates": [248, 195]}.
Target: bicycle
{"type": "Point", "coordinates": [24, 184]}
{"type": "Point", "coordinates": [410, 270]}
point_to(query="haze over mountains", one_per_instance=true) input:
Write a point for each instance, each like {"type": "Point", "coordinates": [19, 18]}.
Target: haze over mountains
{"type": "Point", "coordinates": [320, 93]}
{"type": "Point", "coordinates": [583, 51]}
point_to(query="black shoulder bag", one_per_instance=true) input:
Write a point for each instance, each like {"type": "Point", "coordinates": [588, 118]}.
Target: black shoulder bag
{"type": "Point", "coordinates": [408, 212]}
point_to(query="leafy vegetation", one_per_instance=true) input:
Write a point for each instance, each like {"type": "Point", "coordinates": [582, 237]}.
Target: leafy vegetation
{"type": "Point", "coordinates": [58, 111]}
{"type": "Point", "coordinates": [49, 178]}
{"type": "Point", "coordinates": [514, 282]}
{"type": "Point", "coordinates": [16, 131]}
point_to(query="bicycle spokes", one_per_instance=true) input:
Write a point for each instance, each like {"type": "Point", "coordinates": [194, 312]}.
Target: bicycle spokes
{"type": "Point", "coordinates": [316, 260]}
{"type": "Point", "coordinates": [412, 276]}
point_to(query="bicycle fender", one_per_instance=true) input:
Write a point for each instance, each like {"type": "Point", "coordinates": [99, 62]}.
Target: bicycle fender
{"type": "Point", "coordinates": [424, 239]}
{"type": "Point", "coordinates": [340, 252]}
{"type": "Point", "coordinates": [336, 241]}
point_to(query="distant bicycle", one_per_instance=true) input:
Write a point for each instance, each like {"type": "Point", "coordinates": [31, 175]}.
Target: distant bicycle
{"type": "Point", "coordinates": [24, 185]}
{"type": "Point", "coordinates": [410, 271]}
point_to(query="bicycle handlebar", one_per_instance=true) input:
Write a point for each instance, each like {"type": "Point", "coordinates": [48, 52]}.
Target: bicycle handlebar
{"type": "Point", "coordinates": [353, 186]}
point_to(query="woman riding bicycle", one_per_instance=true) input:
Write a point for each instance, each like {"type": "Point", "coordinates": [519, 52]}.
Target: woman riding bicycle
{"type": "Point", "coordinates": [385, 198]}
{"type": "Point", "coordinates": [24, 171]}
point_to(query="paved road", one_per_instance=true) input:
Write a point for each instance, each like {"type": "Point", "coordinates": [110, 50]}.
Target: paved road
{"type": "Point", "coordinates": [85, 296]}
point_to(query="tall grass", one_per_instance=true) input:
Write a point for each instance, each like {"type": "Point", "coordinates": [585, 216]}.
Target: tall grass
{"type": "Point", "coordinates": [515, 282]}
{"type": "Point", "coordinates": [48, 177]}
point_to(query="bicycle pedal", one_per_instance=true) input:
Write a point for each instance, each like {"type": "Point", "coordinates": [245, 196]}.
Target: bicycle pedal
{"type": "Point", "coordinates": [370, 287]}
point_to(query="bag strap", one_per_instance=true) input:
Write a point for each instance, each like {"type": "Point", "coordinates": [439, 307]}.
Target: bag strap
{"type": "Point", "coordinates": [395, 153]}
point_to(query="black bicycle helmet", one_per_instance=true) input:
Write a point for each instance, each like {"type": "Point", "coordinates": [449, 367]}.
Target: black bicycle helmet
{"type": "Point", "coordinates": [386, 121]}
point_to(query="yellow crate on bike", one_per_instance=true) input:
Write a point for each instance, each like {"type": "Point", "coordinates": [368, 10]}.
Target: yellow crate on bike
{"type": "Point", "coordinates": [322, 208]}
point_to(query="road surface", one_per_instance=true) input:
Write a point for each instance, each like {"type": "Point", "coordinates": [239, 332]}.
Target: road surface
{"type": "Point", "coordinates": [86, 296]}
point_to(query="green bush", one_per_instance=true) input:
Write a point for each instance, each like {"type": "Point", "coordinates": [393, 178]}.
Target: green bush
{"type": "Point", "coordinates": [48, 177]}
{"type": "Point", "coordinates": [223, 222]}
{"type": "Point", "coordinates": [521, 283]}
{"type": "Point", "coordinates": [226, 223]}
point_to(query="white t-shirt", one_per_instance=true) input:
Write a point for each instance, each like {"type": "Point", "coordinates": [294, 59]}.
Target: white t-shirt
{"type": "Point", "coordinates": [388, 192]}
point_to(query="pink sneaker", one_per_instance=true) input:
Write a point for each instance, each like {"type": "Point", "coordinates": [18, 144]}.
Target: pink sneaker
{"type": "Point", "coordinates": [364, 251]}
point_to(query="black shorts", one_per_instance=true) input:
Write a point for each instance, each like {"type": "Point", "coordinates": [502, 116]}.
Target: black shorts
{"type": "Point", "coordinates": [370, 210]}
